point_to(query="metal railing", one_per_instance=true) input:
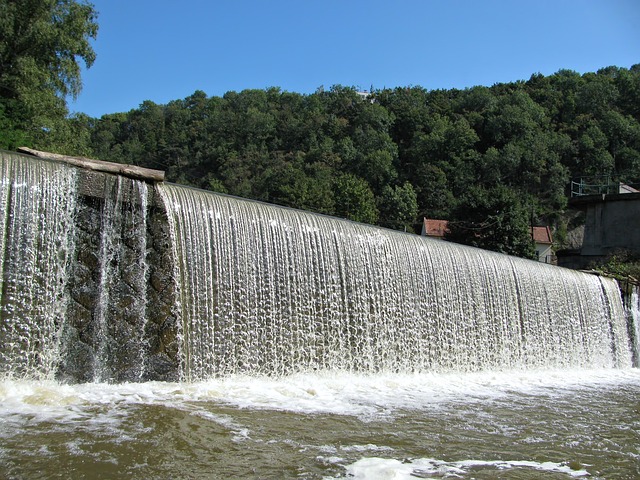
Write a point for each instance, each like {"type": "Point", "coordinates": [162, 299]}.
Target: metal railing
{"type": "Point", "coordinates": [599, 185]}
{"type": "Point", "coordinates": [550, 259]}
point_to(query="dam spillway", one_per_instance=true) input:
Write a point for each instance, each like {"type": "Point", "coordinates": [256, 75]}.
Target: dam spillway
{"type": "Point", "coordinates": [109, 278]}
{"type": "Point", "coordinates": [284, 290]}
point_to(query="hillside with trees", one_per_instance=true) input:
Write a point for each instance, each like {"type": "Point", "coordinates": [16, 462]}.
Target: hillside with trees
{"type": "Point", "coordinates": [492, 160]}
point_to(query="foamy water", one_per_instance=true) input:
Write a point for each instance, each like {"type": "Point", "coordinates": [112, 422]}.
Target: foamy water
{"type": "Point", "coordinates": [328, 425]}
{"type": "Point", "coordinates": [339, 394]}
{"type": "Point", "coordinates": [383, 468]}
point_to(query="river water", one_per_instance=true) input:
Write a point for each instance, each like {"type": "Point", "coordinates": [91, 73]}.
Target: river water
{"type": "Point", "coordinates": [514, 425]}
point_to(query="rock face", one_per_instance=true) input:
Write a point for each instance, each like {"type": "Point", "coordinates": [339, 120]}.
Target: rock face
{"type": "Point", "coordinates": [121, 324]}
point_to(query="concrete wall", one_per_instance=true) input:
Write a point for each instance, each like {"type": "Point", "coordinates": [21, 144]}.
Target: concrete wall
{"type": "Point", "coordinates": [612, 223]}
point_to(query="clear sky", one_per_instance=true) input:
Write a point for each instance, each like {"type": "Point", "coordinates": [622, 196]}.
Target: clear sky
{"type": "Point", "coordinates": [163, 50]}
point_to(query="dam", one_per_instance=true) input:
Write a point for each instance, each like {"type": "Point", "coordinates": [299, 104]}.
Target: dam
{"type": "Point", "coordinates": [111, 278]}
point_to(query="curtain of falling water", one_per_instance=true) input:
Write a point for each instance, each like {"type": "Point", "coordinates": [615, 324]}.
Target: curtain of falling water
{"type": "Point", "coordinates": [38, 233]}
{"type": "Point", "coordinates": [632, 307]}
{"type": "Point", "coordinates": [269, 290]}
{"type": "Point", "coordinates": [37, 201]}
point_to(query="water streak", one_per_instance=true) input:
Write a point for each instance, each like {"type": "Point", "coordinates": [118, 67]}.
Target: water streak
{"type": "Point", "coordinates": [120, 316]}
{"type": "Point", "coordinates": [633, 313]}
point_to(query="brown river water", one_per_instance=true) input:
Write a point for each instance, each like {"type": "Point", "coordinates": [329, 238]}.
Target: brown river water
{"type": "Point", "coordinates": [512, 425]}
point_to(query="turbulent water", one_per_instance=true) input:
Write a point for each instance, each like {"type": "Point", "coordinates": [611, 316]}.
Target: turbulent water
{"type": "Point", "coordinates": [512, 425]}
{"type": "Point", "coordinates": [41, 247]}
{"type": "Point", "coordinates": [37, 203]}
{"type": "Point", "coordinates": [123, 277]}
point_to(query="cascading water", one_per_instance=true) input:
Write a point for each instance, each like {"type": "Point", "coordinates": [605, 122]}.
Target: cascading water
{"type": "Point", "coordinates": [269, 290]}
{"type": "Point", "coordinates": [37, 203]}
{"type": "Point", "coordinates": [236, 286]}
{"type": "Point", "coordinates": [73, 271]}
{"type": "Point", "coordinates": [632, 305]}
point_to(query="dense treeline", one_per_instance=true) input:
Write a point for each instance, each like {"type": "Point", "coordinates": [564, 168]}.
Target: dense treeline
{"type": "Point", "coordinates": [491, 159]}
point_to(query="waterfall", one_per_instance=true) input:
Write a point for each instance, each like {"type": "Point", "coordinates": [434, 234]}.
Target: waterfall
{"type": "Point", "coordinates": [37, 203]}
{"type": "Point", "coordinates": [632, 306]}
{"type": "Point", "coordinates": [106, 278]}
{"type": "Point", "coordinates": [269, 290]}
{"type": "Point", "coordinates": [120, 316]}
{"type": "Point", "coordinates": [73, 272]}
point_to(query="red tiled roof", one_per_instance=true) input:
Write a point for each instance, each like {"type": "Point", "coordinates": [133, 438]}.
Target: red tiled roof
{"type": "Point", "coordinates": [541, 235]}
{"type": "Point", "coordinates": [435, 228]}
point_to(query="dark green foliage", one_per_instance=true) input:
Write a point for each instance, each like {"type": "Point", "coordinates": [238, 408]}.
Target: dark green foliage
{"type": "Point", "coordinates": [623, 265]}
{"type": "Point", "coordinates": [41, 44]}
{"type": "Point", "coordinates": [354, 199]}
{"type": "Point", "coordinates": [398, 207]}
{"type": "Point", "coordinates": [491, 159]}
{"type": "Point", "coordinates": [11, 136]}
{"type": "Point", "coordinates": [495, 219]}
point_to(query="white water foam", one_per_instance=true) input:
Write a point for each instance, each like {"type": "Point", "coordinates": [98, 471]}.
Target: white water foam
{"type": "Point", "coordinates": [375, 468]}
{"type": "Point", "coordinates": [366, 397]}
{"type": "Point", "coordinates": [107, 410]}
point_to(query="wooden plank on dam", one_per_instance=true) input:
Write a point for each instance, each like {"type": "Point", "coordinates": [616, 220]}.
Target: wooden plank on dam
{"type": "Point", "coordinates": [131, 171]}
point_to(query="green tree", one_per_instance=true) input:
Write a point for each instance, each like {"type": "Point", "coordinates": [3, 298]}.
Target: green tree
{"type": "Point", "coordinates": [593, 156]}
{"type": "Point", "coordinates": [398, 207]}
{"type": "Point", "coordinates": [435, 199]}
{"type": "Point", "coordinates": [41, 44]}
{"type": "Point", "coordinates": [354, 199]}
{"type": "Point", "coordinates": [440, 160]}
{"type": "Point", "coordinates": [495, 219]}
{"type": "Point", "coordinates": [293, 183]}
{"type": "Point", "coordinates": [515, 116]}
{"type": "Point", "coordinates": [11, 136]}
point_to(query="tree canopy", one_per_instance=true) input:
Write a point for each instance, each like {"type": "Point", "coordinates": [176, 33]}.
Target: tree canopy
{"type": "Point", "coordinates": [41, 44]}
{"type": "Point", "coordinates": [492, 159]}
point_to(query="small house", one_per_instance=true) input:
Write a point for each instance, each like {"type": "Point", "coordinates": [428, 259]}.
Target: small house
{"type": "Point", "coordinates": [540, 235]}
{"type": "Point", "coordinates": [543, 240]}
{"type": "Point", "coordinates": [434, 228]}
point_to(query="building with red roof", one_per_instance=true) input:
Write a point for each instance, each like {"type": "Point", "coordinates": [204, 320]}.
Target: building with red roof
{"type": "Point", "coordinates": [540, 235]}
{"type": "Point", "coordinates": [434, 228]}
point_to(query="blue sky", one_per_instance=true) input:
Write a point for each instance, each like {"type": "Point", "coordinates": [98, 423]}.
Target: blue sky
{"type": "Point", "coordinates": [163, 50]}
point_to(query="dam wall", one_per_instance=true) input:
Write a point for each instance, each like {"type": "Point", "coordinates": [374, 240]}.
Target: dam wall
{"type": "Point", "coordinates": [88, 291]}
{"type": "Point", "coordinates": [111, 275]}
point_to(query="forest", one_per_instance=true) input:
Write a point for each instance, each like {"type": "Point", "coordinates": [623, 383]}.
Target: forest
{"type": "Point", "coordinates": [491, 160]}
